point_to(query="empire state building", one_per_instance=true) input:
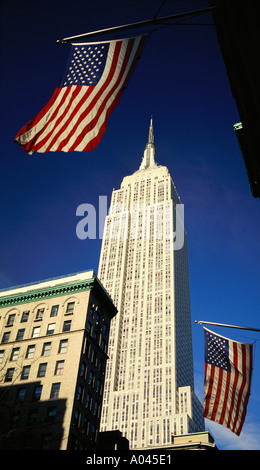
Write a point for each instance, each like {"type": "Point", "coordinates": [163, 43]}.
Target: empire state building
{"type": "Point", "coordinates": [149, 386]}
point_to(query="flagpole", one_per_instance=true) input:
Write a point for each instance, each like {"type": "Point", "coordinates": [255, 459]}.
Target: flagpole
{"type": "Point", "coordinates": [226, 326]}
{"type": "Point", "coordinates": [125, 27]}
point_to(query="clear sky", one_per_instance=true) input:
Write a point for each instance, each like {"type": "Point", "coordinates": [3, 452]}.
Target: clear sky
{"type": "Point", "coordinates": [181, 80]}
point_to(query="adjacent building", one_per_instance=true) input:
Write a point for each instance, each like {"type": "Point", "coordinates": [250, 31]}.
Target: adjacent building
{"type": "Point", "coordinates": [53, 352]}
{"type": "Point", "coordinates": [149, 387]}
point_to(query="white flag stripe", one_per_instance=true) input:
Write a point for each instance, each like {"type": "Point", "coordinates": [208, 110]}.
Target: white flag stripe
{"type": "Point", "coordinates": [226, 399]}
{"type": "Point", "coordinates": [94, 132]}
{"type": "Point", "coordinates": [53, 128]}
{"type": "Point", "coordinates": [84, 105]}
{"type": "Point", "coordinates": [75, 117]}
{"type": "Point", "coordinates": [29, 135]}
{"type": "Point", "coordinates": [102, 118]}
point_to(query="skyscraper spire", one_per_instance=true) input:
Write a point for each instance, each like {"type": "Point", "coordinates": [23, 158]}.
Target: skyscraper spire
{"type": "Point", "coordinates": [148, 160]}
{"type": "Point", "coordinates": [151, 136]}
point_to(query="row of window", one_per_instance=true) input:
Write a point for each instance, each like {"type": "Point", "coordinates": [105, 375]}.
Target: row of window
{"type": "Point", "coordinates": [39, 313]}
{"type": "Point", "coordinates": [36, 331]}
{"type": "Point", "coordinates": [30, 352]}
{"type": "Point", "coordinates": [9, 376]}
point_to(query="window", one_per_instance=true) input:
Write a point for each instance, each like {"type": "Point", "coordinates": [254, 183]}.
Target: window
{"type": "Point", "coordinates": [14, 354]}
{"type": "Point", "coordinates": [54, 311]}
{"type": "Point", "coordinates": [55, 390]}
{"type": "Point", "coordinates": [2, 352]}
{"type": "Point", "coordinates": [50, 329]}
{"type": "Point", "coordinates": [25, 372]}
{"type": "Point", "coordinates": [51, 414]}
{"type": "Point", "coordinates": [32, 416]}
{"type": "Point", "coordinates": [83, 369]}
{"type": "Point", "coordinates": [10, 320]}
{"type": "Point", "coordinates": [6, 337]}
{"type": "Point", "coordinates": [98, 386]}
{"type": "Point", "coordinates": [89, 328]}
{"type": "Point", "coordinates": [96, 408]}
{"type": "Point", "coordinates": [95, 358]}
{"type": "Point", "coordinates": [46, 441]}
{"type": "Point", "coordinates": [80, 393]}
{"type": "Point", "coordinates": [39, 314]}
{"type": "Point", "coordinates": [36, 332]}
{"type": "Point", "coordinates": [21, 394]}
{"type": "Point", "coordinates": [88, 401]}
{"type": "Point", "coordinates": [67, 325]}
{"type": "Point", "coordinates": [59, 368]}
{"type": "Point", "coordinates": [9, 375]}
{"type": "Point", "coordinates": [76, 417]}
{"type": "Point", "coordinates": [85, 425]}
{"type": "Point", "coordinates": [30, 351]}
{"type": "Point", "coordinates": [63, 346]}
{"type": "Point", "coordinates": [46, 349]}
{"type": "Point", "coordinates": [20, 334]}
{"type": "Point", "coordinates": [91, 378]}
{"type": "Point", "coordinates": [25, 316]}
{"type": "Point", "coordinates": [70, 307]}
{"type": "Point", "coordinates": [37, 392]}
{"type": "Point", "coordinates": [42, 369]}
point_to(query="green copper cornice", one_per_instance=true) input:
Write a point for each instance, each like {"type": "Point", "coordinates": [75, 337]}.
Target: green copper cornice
{"type": "Point", "coordinates": [46, 293]}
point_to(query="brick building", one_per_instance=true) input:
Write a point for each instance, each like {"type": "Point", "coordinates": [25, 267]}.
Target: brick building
{"type": "Point", "coordinates": [53, 352]}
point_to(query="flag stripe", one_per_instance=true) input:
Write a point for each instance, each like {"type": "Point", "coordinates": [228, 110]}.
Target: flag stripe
{"type": "Point", "coordinates": [109, 91]}
{"type": "Point", "coordinates": [49, 131]}
{"type": "Point", "coordinates": [241, 390]}
{"type": "Point", "coordinates": [135, 53]}
{"type": "Point", "coordinates": [90, 102]}
{"type": "Point", "coordinates": [106, 107]}
{"type": "Point", "coordinates": [225, 400]}
{"type": "Point", "coordinates": [75, 118]}
{"type": "Point", "coordinates": [248, 385]}
{"type": "Point", "coordinates": [218, 393]}
{"type": "Point", "coordinates": [228, 369]}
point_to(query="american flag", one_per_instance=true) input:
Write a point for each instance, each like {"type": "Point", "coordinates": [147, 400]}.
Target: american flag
{"type": "Point", "coordinates": [75, 118]}
{"type": "Point", "coordinates": [228, 370]}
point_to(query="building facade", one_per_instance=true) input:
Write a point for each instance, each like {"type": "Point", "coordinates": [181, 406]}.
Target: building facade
{"type": "Point", "coordinates": [149, 387]}
{"type": "Point", "coordinates": [53, 353]}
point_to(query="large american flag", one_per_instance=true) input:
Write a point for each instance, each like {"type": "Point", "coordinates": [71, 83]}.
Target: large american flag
{"type": "Point", "coordinates": [75, 118]}
{"type": "Point", "coordinates": [228, 369]}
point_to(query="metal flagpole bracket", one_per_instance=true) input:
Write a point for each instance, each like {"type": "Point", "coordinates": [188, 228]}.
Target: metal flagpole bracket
{"type": "Point", "coordinates": [200, 322]}
{"type": "Point", "coordinates": [139, 24]}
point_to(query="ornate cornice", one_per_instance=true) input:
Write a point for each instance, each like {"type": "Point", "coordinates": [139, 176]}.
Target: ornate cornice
{"type": "Point", "coordinates": [46, 293]}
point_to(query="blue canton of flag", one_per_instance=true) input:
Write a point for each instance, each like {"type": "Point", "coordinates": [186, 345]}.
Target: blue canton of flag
{"type": "Point", "coordinates": [216, 351]}
{"type": "Point", "coordinates": [85, 64]}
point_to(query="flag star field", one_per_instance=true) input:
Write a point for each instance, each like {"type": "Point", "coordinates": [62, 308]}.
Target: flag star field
{"type": "Point", "coordinates": [86, 64]}
{"type": "Point", "coordinates": [217, 351]}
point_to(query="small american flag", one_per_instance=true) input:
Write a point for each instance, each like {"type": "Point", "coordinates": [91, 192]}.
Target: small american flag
{"type": "Point", "coordinates": [228, 370]}
{"type": "Point", "coordinates": [75, 118]}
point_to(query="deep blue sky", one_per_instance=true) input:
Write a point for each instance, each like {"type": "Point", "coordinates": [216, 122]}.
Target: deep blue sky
{"type": "Point", "coordinates": [181, 79]}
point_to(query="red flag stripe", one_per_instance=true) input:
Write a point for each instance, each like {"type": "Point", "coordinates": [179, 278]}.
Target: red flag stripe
{"type": "Point", "coordinates": [218, 394]}
{"type": "Point", "coordinates": [104, 110]}
{"type": "Point", "coordinates": [94, 142]}
{"type": "Point", "coordinates": [225, 401]}
{"type": "Point", "coordinates": [48, 131]}
{"type": "Point", "coordinates": [249, 368]}
{"type": "Point", "coordinates": [75, 117]}
{"type": "Point", "coordinates": [27, 138]}
{"type": "Point", "coordinates": [88, 107]}
{"type": "Point", "coordinates": [102, 106]}
{"type": "Point", "coordinates": [226, 392]}
{"type": "Point", "coordinates": [234, 387]}
{"type": "Point", "coordinates": [209, 372]}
